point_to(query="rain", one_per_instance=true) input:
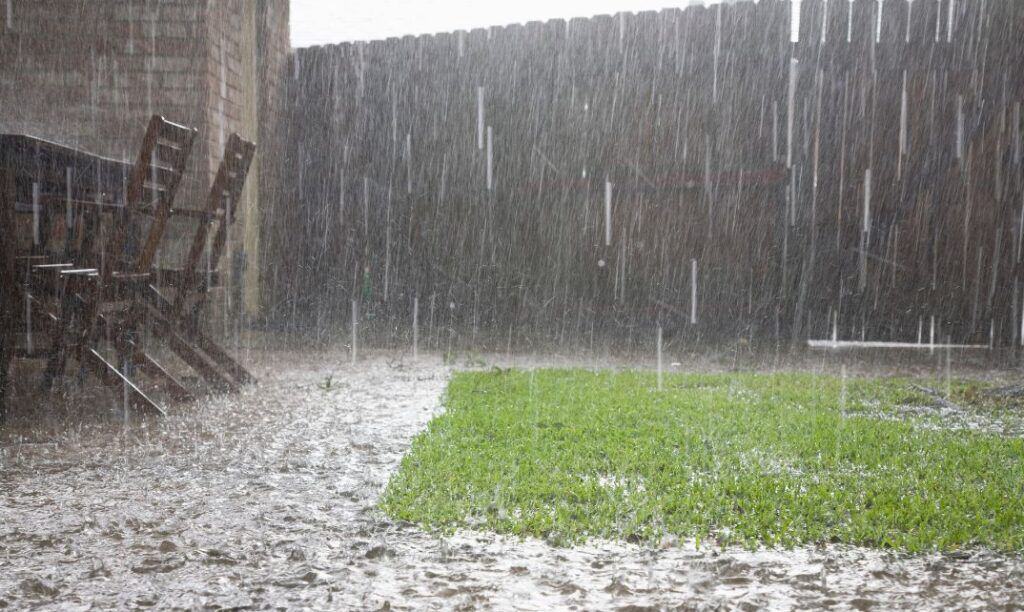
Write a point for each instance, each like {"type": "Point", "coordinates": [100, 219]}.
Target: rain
{"type": "Point", "coordinates": [253, 281]}
{"type": "Point", "coordinates": [553, 96]}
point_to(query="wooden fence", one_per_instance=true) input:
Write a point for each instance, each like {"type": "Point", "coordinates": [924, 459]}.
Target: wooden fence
{"type": "Point", "coordinates": [801, 169]}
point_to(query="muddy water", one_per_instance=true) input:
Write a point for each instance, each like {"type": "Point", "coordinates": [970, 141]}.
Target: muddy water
{"type": "Point", "coordinates": [268, 498]}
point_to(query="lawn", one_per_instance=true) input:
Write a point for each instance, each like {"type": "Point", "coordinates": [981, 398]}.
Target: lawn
{"type": "Point", "coordinates": [773, 459]}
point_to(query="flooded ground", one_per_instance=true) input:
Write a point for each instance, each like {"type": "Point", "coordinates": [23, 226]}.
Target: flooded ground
{"type": "Point", "coordinates": [267, 499]}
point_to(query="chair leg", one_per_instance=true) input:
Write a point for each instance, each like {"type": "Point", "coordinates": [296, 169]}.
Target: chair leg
{"type": "Point", "coordinates": [191, 356]}
{"type": "Point", "coordinates": [114, 379]}
{"type": "Point", "coordinates": [57, 360]}
{"type": "Point", "coordinates": [153, 369]}
{"type": "Point", "coordinates": [5, 361]}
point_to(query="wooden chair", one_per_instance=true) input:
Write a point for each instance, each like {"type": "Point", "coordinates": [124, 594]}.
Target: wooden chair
{"type": "Point", "coordinates": [121, 273]}
{"type": "Point", "coordinates": [177, 319]}
{"type": "Point", "coordinates": [101, 295]}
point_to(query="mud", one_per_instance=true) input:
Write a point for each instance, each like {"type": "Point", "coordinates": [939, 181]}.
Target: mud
{"type": "Point", "coordinates": [268, 499]}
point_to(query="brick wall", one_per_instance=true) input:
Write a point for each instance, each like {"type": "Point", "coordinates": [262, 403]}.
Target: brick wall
{"type": "Point", "coordinates": [89, 74]}
{"type": "Point", "coordinates": [274, 48]}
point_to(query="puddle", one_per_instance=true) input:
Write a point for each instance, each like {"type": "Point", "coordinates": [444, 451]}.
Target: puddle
{"type": "Point", "coordinates": [268, 499]}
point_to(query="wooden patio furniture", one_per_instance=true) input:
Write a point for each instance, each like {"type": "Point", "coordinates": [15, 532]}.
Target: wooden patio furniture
{"type": "Point", "coordinates": [99, 288]}
{"type": "Point", "coordinates": [177, 319]}
{"type": "Point", "coordinates": [38, 179]}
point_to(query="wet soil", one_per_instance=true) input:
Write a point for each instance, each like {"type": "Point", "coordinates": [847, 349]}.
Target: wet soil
{"type": "Point", "coordinates": [268, 499]}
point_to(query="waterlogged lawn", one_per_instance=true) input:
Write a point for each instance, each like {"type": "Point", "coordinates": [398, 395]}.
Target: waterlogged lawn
{"type": "Point", "coordinates": [778, 459]}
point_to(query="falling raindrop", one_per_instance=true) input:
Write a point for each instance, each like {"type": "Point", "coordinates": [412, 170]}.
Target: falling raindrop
{"type": "Point", "coordinates": [793, 70]}
{"type": "Point", "coordinates": [959, 126]}
{"type": "Point", "coordinates": [36, 211]}
{"type": "Point", "coordinates": [366, 205]}
{"type": "Point", "coordinates": [718, 48]}
{"type": "Point", "coordinates": [622, 31]}
{"type": "Point", "coordinates": [361, 60]}
{"type": "Point", "coordinates": [221, 117]}
{"type": "Point", "coordinates": [824, 20]}
{"type": "Point", "coordinates": [878, 20]}
{"type": "Point", "coordinates": [910, 15]}
{"type": "Point", "coordinates": [68, 208]}
{"type": "Point", "coordinates": [1016, 134]}
{"type": "Point", "coordinates": [658, 342]}
{"type": "Point", "coordinates": [408, 162]}
{"type": "Point", "coordinates": [867, 201]}
{"type": "Point", "coordinates": [154, 164]}
{"type": "Point", "coordinates": [775, 130]}
{"type": "Point", "coordinates": [949, 368]}
{"type": "Point", "coordinates": [394, 117]}
{"type": "Point", "coordinates": [949, 24]}
{"type": "Point", "coordinates": [693, 292]}
{"type": "Point", "coordinates": [849, 21]}
{"type": "Point", "coordinates": [355, 329]}
{"type": "Point", "coordinates": [131, 28]}
{"type": "Point", "coordinates": [126, 374]}
{"type": "Point", "coordinates": [209, 259]}
{"type": "Point", "coordinates": [415, 327]}
{"type": "Point", "coordinates": [607, 212]}
{"type": "Point", "coordinates": [794, 21]}
{"type": "Point", "coordinates": [387, 247]}
{"type": "Point", "coordinates": [490, 159]}
{"type": "Point", "coordinates": [151, 64]}
{"type": "Point", "coordinates": [842, 389]}
{"type": "Point", "coordinates": [865, 232]}
{"type": "Point", "coordinates": [28, 323]}
{"type": "Point", "coordinates": [1020, 230]}
{"type": "Point", "coordinates": [341, 197]}
{"type": "Point", "coordinates": [480, 117]}
{"type": "Point", "coordinates": [903, 117]}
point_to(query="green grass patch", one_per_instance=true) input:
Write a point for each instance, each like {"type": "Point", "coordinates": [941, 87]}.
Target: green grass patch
{"type": "Point", "coordinates": [778, 459]}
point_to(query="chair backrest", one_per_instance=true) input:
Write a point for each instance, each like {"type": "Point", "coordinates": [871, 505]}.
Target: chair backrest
{"type": "Point", "coordinates": [221, 205]}
{"type": "Point", "coordinates": [150, 191]}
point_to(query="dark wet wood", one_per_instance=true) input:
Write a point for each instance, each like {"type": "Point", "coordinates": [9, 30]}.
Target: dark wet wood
{"type": "Point", "coordinates": [188, 353]}
{"type": "Point", "coordinates": [114, 379]}
{"type": "Point", "coordinates": [76, 290]}
{"type": "Point", "coordinates": [213, 351]}
{"type": "Point", "coordinates": [220, 207]}
{"type": "Point", "coordinates": [154, 370]}
{"type": "Point", "coordinates": [105, 372]}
